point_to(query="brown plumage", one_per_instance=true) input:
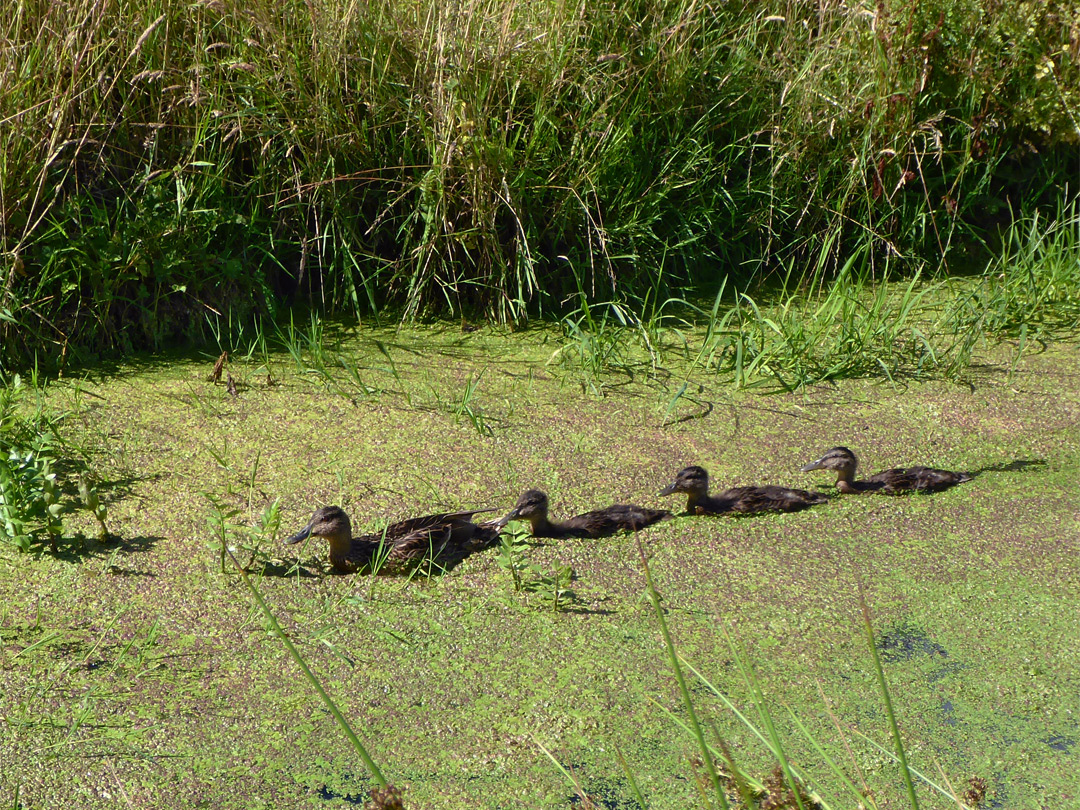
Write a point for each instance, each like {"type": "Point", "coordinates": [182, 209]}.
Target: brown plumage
{"type": "Point", "coordinates": [694, 482]}
{"type": "Point", "coordinates": [533, 507]}
{"type": "Point", "coordinates": [444, 539]}
{"type": "Point", "coordinates": [890, 482]}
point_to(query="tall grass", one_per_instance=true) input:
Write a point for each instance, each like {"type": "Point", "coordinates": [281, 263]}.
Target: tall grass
{"type": "Point", "coordinates": [853, 325]}
{"type": "Point", "coordinates": [167, 161]}
{"type": "Point", "coordinates": [1032, 287]}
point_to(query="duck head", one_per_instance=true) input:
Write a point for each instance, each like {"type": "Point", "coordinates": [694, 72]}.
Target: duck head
{"type": "Point", "coordinates": [839, 460]}
{"type": "Point", "coordinates": [694, 481]}
{"type": "Point", "coordinates": [332, 523]}
{"type": "Point", "coordinates": [531, 506]}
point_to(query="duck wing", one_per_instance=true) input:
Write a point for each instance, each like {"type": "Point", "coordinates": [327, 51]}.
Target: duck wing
{"type": "Point", "coordinates": [406, 543]}
{"type": "Point", "coordinates": [908, 479]}
{"type": "Point", "coordinates": [751, 500]}
{"type": "Point", "coordinates": [612, 519]}
{"type": "Point", "coordinates": [440, 520]}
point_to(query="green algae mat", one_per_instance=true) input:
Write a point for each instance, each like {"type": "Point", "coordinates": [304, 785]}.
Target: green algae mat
{"type": "Point", "coordinates": [136, 673]}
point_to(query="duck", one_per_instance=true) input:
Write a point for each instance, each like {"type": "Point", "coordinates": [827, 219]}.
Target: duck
{"type": "Point", "coordinates": [445, 538]}
{"type": "Point", "coordinates": [533, 507]}
{"type": "Point", "coordinates": [694, 481]}
{"type": "Point", "coordinates": [896, 481]}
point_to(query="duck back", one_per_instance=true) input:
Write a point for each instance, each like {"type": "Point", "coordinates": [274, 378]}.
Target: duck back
{"type": "Point", "coordinates": [910, 479]}
{"type": "Point", "coordinates": [754, 500]}
{"type": "Point", "coordinates": [605, 522]}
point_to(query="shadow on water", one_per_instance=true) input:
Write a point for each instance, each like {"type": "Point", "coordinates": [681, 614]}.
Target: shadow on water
{"type": "Point", "coordinates": [282, 570]}
{"type": "Point", "coordinates": [326, 794]}
{"type": "Point", "coordinates": [80, 549]}
{"type": "Point", "coordinates": [349, 782]}
{"type": "Point", "coordinates": [600, 791]}
{"type": "Point", "coordinates": [434, 569]}
{"type": "Point", "coordinates": [1060, 743]}
{"type": "Point", "coordinates": [906, 641]}
{"type": "Point", "coordinates": [1017, 465]}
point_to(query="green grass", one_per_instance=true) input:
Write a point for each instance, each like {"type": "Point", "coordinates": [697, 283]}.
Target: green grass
{"type": "Point", "coordinates": [1029, 290]}
{"type": "Point", "coordinates": [139, 668]}
{"type": "Point", "coordinates": [169, 171]}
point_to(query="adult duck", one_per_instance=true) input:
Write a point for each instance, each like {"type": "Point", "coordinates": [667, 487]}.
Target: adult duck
{"type": "Point", "coordinates": [896, 481]}
{"type": "Point", "coordinates": [444, 539]}
{"type": "Point", "coordinates": [694, 482]}
{"type": "Point", "coordinates": [533, 507]}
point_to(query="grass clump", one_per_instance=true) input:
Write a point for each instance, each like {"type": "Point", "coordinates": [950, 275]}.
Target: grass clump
{"type": "Point", "coordinates": [1032, 288]}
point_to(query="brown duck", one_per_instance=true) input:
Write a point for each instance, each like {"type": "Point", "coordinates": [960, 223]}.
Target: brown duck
{"type": "Point", "coordinates": [890, 482]}
{"type": "Point", "coordinates": [444, 539]}
{"type": "Point", "coordinates": [533, 507]}
{"type": "Point", "coordinates": [694, 481]}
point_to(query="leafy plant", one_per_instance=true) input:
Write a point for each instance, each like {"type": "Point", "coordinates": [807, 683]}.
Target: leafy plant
{"type": "Point", "coordinates": [31, 500]}
{"type": "Point", "coordinates": [551, 586]}
{"type": "Point", "coordinates": [232, 536]}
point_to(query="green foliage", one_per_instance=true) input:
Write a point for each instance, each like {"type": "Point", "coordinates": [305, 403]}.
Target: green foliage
{"type": "Point", "coordinates": [167, 165]}
{"type": "Point", "coordinates": [854, 328]}
{"type": "Point", "coordinates": [233, 537]}
{"type": "Point", "coordinates": [553, 587]}
{"type": "Point", "coordinates": [30, 498]}
{"type": "Point", "coordinates": [32, 503]}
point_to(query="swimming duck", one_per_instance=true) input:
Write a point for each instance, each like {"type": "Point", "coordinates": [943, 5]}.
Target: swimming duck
{"type": "Point", "coordinates": [694, 481]}
{"type": "Point", "coordinates": [533, 507]}
{"type": "Point", "coordinates": [890, 482]}
{"type": "Point", "coordinates": [444, 538]}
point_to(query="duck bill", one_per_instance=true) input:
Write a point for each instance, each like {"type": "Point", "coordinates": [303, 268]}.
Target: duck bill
{"type": "Point", "coordinates": [301, 535]}
{"type": "Point", "coordinates": [670, 489]}
{"type": "Point", "coordinates": [813, 465]}
{"type": "Point", "coordinates": [513, 514]}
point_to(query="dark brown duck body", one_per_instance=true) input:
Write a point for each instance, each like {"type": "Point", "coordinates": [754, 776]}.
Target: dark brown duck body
{"type": "Point", "coordinates": [694, 482]}
{"type": "Point", "coordinates": [533, 507]}
{"type": "Point", "coordinates": [896, 481]}
{"type": "Point", "coordinates": [443, 539]}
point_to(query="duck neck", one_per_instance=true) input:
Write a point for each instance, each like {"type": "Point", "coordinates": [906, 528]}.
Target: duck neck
{"type": "Point", "coordinates": [696, 499]}
{"type": "Point", "coordinates": [845, 480]}
{"type": "Point", "coordinates": [540, 525]}
{"type": "Point", "coordinates": [340, 546]}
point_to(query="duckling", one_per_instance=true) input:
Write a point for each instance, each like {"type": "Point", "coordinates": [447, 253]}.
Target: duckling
{"type": "Point", "coordinates": [890, 482]}
{"type": "Point", "coordinates": [533, 507]}
{"type": "Point", "coordinates": [444, 538]}
{"type": "Point", "coordinates": [694, 481]}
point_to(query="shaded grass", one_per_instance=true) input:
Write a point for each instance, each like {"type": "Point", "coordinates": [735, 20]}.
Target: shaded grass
{"type": "Point", "coordinates": [859, 323]}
